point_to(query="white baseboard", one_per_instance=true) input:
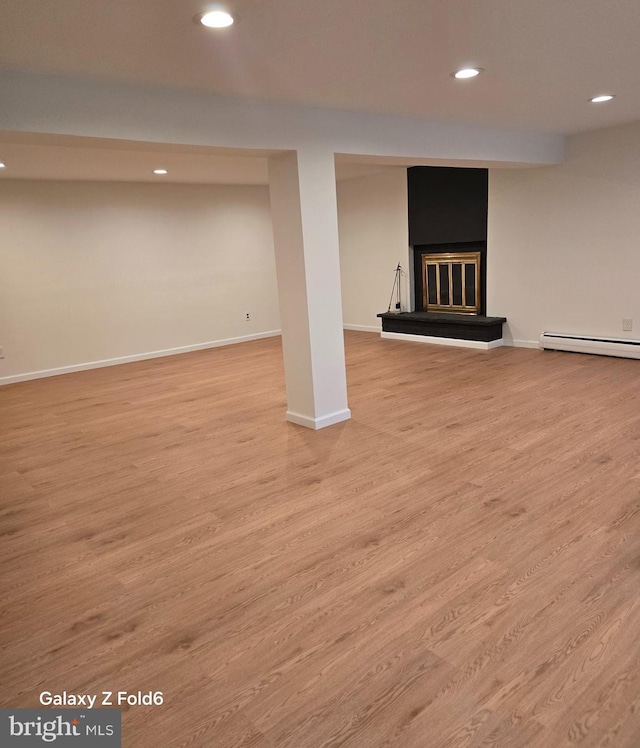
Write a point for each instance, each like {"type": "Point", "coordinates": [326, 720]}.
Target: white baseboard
{"type": "Point", "coordinates": [136, 357]}
{"type": "Point", "coordinates": [318, 423]}
{"type": "Point", "coordinates": [363, 328]}
{"type": "Point", "coordinates": [477, 344]}
{"type": "Point", "coordinates": [521, 343]}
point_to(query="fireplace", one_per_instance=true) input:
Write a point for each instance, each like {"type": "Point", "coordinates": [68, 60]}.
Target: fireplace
{"type": "Point", "coordinates": [448, 239]}
{"type": "Point", "coordinates": [450, 304]}
{"type": "Point", "coordinates": [450, 278]}
{"type": "Point", "coordinates": [451, 283]}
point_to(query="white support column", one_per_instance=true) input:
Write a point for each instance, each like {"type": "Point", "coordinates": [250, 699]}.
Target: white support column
{"type": "Point", "coordinates": [305, 228]}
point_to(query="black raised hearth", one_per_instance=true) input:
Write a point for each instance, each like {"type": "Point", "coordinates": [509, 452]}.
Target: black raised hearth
{"type": "Point", "coordinates": [438, 325]}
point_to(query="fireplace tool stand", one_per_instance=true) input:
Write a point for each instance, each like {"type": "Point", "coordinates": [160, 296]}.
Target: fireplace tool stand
{"type": "Point", "coordinates": [395, 291]}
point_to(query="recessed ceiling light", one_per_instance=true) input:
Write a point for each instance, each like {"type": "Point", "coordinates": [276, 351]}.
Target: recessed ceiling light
{"type": "Point", "coordinates": [601, 99]}
{"type": "Point", "coordinates": [215, 19]}
{"type": "Point", "coordinates": [2, 165]}
{"type": "Point", "coordinates": [467, 73]}
{"type": "Point", "coordinates": [160, 171]}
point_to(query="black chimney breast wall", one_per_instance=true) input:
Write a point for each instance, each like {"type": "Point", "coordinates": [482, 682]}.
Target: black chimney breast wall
{"type": "Point", "coordinates": [447, 205]}
{"type": "Point", "coordinates": [447, 214]}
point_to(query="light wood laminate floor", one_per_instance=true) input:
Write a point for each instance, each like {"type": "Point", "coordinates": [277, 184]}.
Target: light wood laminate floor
{"type": "Point", "coordinates": [458, 565]}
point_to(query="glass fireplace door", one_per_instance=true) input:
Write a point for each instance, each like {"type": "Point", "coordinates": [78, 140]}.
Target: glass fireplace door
{"type": "Point", "coordinates": [451, 283]}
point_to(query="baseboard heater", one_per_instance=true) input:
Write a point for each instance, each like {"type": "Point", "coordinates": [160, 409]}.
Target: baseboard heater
{"type": "Point", "coordinates": [622, 347]}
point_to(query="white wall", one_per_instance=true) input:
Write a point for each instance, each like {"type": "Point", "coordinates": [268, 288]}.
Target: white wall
{"type": "Point", "coordinates": [564, 241]}
{"type": "Point", "coordinates": [93, 271]}
{"type": "Point", "coordinates": [374, 237]}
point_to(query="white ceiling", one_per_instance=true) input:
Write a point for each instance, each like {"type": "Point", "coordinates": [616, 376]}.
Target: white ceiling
{"type": "Point", "coordinates": [543, 60]}
{"type": "Point", "coordinates": [40, 156]}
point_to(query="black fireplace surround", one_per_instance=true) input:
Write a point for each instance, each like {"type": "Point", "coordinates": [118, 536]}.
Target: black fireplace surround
{"type": "Point", "coordinates": [447, 215]}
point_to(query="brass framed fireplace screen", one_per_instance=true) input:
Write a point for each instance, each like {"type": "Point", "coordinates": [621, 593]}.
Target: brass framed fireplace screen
{"type": "Point", "coordinates": [451, 283]}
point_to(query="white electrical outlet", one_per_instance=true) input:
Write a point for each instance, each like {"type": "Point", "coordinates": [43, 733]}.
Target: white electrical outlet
{"type": "Point", "coordinates": [248, 316]}
{"type": "Point", "coordinates": [627, 325]}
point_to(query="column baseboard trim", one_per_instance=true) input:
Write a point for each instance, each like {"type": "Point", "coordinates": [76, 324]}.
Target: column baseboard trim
{"type": "Point", "coordinates": [318, 423]}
